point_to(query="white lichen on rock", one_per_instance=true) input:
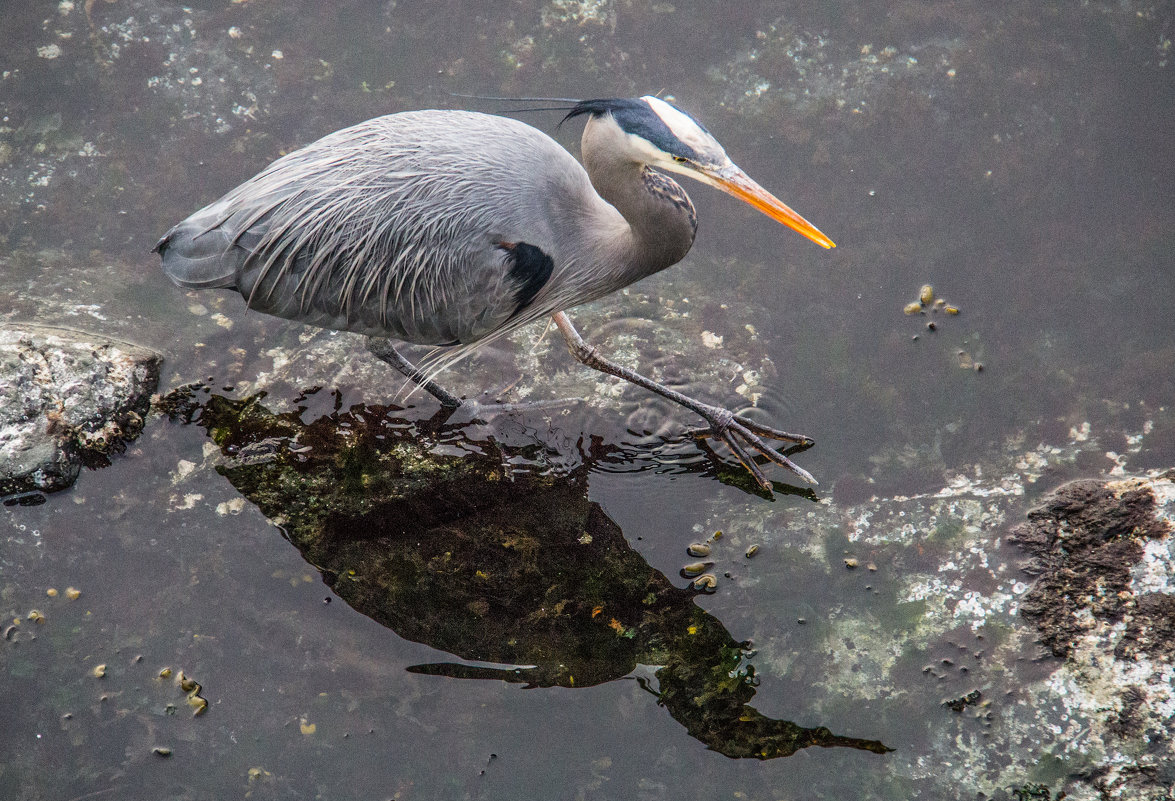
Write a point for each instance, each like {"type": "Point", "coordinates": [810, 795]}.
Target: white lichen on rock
{"type": "Point", "coordinates": [65, 394]}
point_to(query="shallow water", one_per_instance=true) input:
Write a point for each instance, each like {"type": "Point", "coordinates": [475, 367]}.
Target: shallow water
{"type": "Point", "coordinates": [1019, 161]}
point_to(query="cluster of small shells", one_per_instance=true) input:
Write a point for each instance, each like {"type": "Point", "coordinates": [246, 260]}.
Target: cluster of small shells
{"type": "Point", "coordinates": [36, 615]}
{"type": "Point", "coordinates": [703, 581]}
{"type": "Point", "coordinates": [191, 688]}
{"type": "Point", "coordinates": [926, 300]}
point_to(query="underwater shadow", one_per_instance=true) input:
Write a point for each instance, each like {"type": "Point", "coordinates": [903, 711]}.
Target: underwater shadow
{"type": "Point", "coordinates": [489, 553]}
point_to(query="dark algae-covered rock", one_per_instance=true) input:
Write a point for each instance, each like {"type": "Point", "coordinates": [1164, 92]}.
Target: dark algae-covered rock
{"type": "Point", "coordinates": [1085, 540]}
{"type": "Point", "coordinates": [1101, 553]}
{"type": "Point", "coordinates": [491, 556]}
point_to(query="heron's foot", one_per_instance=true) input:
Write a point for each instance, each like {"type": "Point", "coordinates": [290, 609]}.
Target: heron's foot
{"type": "Point", "coordinates": [743, 436]}
{"type": "Point", "coordinates": [738, 433]}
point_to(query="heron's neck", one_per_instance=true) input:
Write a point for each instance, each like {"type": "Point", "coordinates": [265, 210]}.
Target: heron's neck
{"type": "Point", "coordinates": [660, 217]}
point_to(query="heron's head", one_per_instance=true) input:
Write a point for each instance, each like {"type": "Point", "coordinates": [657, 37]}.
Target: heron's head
{"type": "Point", "coordinates": [665, 137]}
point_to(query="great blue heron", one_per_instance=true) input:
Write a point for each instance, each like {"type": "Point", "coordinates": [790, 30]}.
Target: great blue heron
{"type": "Point", "coordinates": [451, 228]}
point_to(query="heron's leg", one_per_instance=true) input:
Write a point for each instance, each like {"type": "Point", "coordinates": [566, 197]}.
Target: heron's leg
{"type": "Point", "coordinates": [382, 349]}
{"type": "Point", "coordinates": [737, 432]}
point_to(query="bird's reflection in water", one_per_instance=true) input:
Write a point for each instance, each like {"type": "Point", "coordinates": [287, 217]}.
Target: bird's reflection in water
{"type": "Point", "coordinates": [485, 552]}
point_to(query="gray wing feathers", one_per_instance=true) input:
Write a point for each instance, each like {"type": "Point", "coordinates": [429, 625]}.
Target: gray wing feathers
{"type": "Point", "coordinates": [197, 257]}
{"type": "Point", "coordinates": [391, 226]}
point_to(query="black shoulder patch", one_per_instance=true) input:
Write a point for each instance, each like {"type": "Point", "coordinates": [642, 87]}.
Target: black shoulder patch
{"type": "Point", "coordinates": [530, 269]}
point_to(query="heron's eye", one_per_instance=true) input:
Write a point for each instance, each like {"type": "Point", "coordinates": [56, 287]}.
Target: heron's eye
{"type": "Point", "coordinates": [680, 159]}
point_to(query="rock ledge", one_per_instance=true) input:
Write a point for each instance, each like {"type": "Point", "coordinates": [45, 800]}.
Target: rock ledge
{"type": "Point", "coordinates": [67, 399]}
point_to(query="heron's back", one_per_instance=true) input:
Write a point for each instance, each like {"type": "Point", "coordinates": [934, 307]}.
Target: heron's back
{"type": "Point", "coordinates": [402, 225]}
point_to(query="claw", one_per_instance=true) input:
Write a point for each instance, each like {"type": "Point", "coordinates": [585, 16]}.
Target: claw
{"type": "Point", "coordinates": [726, 427]}
{"type": "Point", "coordinates": [783, 461]}
{"type": "Point", "coordinates": [775, 456]}
{"type": "Point", "coordinates": [775, 433]}
{"type": "Point", "coordinates": [723, 423]}
{"type": "Point", "coordinates": [745, 459]}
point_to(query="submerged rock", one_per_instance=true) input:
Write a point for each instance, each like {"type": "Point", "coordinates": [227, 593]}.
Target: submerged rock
{"type": "Point", "coordinates": [67, 399]}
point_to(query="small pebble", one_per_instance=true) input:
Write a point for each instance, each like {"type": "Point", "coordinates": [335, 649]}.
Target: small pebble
{"type": "Point", "coordinates": [72, 593]}
{"type": "Point", "coordinates": [926, 294]}
{"type": "Point", "coordinates": [51, 592]}
{"type": "Point", "coordinates": [754, 549]}
{"type": "Point", "coordinates": [931, 326]}
{"type": "Point", "coordinates": [99, 671]}
{"type": "Point", "coordinates": [162, 751]}
{"type": "Point", "coordinates": [872, 568]}
{"type": "Point", "coordinates": [951, 310]}
{"type": "Point", "coordinates": [912, 308]}
{"type": "Point", "coordinates": [851, 563]}
{"type": "Point", "coordinates": [698, 549]}
{"type": "Point", "coordinates": [694, 569]}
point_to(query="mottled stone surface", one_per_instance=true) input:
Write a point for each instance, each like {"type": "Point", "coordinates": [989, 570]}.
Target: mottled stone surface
{"type": "Point", "coordinates": [1085, 541]}
{"type": "Point", "coordinates": [67, 399]}
{"type": "Point", "coordinates": [1104, 558]}
{"type": "Point", "coordinates": [1033, 637]}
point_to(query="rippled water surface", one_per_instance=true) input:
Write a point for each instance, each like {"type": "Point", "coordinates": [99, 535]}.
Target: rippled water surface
{"type": "Point", "coordinates": [1018, 160]}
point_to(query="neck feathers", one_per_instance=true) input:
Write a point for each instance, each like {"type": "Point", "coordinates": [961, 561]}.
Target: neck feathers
{"type": "Point", "coordinates": [659, 214]}
{"type": "Point", "coordinates": [660, 185]}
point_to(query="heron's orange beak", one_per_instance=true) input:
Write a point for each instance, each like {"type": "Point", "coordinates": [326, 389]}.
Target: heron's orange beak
{"type": "Point", "coordinates": [734, 181]}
